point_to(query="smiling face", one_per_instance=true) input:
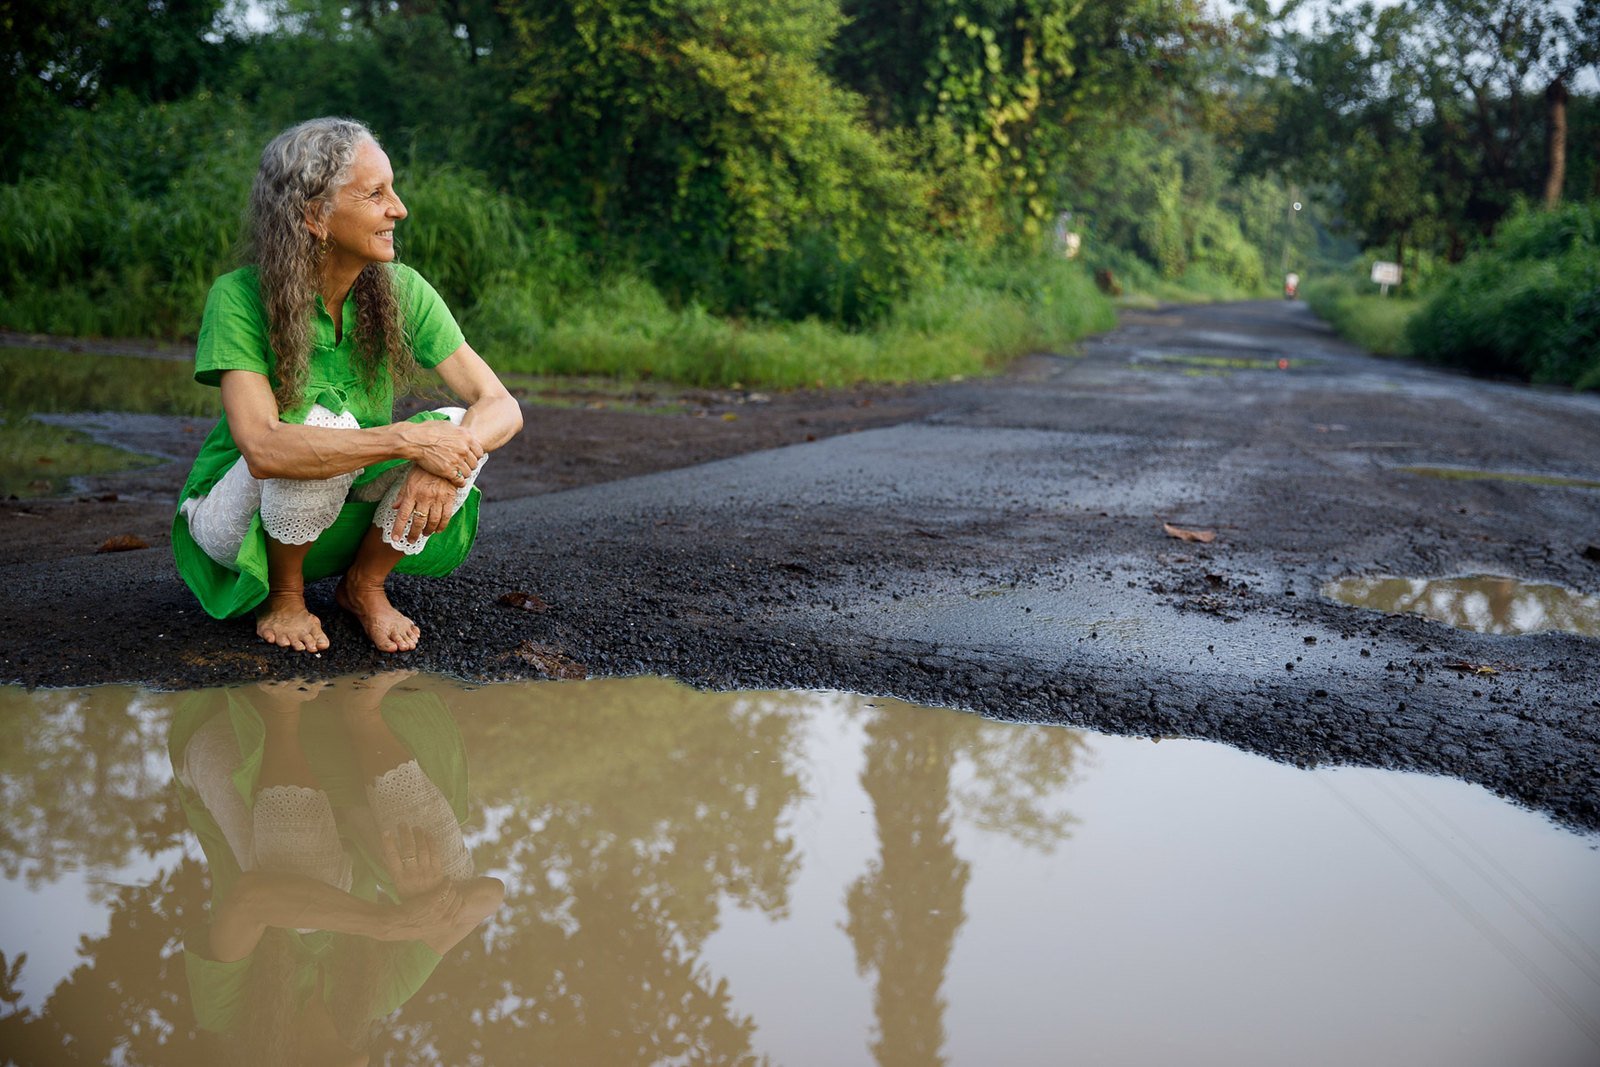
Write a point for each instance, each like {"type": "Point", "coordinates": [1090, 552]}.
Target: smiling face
{"type": "Point", "coordinates": [360, 225]}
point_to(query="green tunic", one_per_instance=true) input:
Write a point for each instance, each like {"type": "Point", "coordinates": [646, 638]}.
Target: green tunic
{"type": "Point", "coordinates": [421, 723]}
{"type": "Point", "coordinates": [233, 336]}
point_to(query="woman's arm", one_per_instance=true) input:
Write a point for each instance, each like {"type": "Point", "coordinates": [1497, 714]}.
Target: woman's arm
{"type": "Point", "coordinates": [493, 417]}
{"type": "Point", "coordinates": [480, 898]}
{"type": "Point", "coordinates": [276, 449]}
{"type": "Point", "coordinates": [260, 899]}
{"type": "Point", "coordinates": [493, 414]}
{"type": "Point", "coordinates": [263, 899]}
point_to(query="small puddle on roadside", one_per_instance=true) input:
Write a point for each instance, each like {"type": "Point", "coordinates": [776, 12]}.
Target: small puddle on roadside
{"type": "Point", "coordinates": [705, 876]}
{"type": "Point", "coordinates": [1485, 604]}
{"type": "Point", "coordinates": [1470, 474]}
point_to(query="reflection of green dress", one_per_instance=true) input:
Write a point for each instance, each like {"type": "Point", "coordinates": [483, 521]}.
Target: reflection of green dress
{"type": "Point", "coordinates": [233, 336]}
{"type": "Point", "coordinates": [421, 723]}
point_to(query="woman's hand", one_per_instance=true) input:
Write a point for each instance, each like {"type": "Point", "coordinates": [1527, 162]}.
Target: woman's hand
{"type": "Point", "coordinates": [443, 449]}
{"type": "Point", "coordinates": [413, 863]}
{"type": "Point", "coordinates": [424, 502]}
{"type": "Point", "coordinates": [425, 917]}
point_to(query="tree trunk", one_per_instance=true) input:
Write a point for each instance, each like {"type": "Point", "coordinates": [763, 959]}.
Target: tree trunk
{"type": "Point", "coordinates": [1555, 99]}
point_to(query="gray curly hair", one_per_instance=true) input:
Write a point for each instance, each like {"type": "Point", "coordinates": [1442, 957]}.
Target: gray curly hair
{"type": "Point", "coordinates": [306, 165]}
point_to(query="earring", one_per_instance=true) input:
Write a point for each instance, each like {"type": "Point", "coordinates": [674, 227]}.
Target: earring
{"type": "Point", "coordinates": [323, 246]}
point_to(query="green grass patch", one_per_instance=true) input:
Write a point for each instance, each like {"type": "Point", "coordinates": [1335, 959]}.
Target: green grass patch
{"type": "Point", "coordinates": [970, 324]}
{"type": "Point", "coordinates": [37, 459]}
{"type": "Point", "coordinates": [1467, 474]}
{"type": "Point", "coordinates": [45, 380]}
{"type": "Point", "coordinates": [1361, 316]}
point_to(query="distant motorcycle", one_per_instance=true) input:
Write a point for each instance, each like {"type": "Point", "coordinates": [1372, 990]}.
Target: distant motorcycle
{"type": "Point", "coordinates": [1291, 285]}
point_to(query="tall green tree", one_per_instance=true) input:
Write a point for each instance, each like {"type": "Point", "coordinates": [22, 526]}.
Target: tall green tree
{"type": "Point", "coordinates": [1427, 115]}
{"type": "Point", "coordinates": [704, 139]}
{"type": "Point", "coordinates": [1011, 89]}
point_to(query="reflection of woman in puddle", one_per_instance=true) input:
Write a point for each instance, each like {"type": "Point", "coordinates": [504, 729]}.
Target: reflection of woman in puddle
{"type": "Point", "coordinates": [339, 874]}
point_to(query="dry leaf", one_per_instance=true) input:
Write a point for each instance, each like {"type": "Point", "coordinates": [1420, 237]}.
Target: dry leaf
{"type": "Point", "coordinates": [123, 543]}
{"type": "Point", "coordinates": [550, 662]}
{"type": "Point", "coordinates": [1204, 537]}
{"type": "Point", "coordinates": [525, 601]}
{"type": "Point", "coordinates": [1476, 668]}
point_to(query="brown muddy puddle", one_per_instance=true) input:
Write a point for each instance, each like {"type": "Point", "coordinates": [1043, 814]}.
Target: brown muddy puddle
{"type": "Point", "coordinates": [794, 878]}
{"type": "Point", "coordinates": [1483, 603]}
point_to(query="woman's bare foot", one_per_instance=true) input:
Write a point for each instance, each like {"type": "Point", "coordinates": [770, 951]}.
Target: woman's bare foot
{"type": "Point", "coordinates": [389, 630]}
{"type": "Point", "coordinates": [283, 620]}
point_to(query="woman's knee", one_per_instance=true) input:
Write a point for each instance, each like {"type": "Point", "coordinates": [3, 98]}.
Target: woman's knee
{"type": "Point", "coordinates": [297, 511]}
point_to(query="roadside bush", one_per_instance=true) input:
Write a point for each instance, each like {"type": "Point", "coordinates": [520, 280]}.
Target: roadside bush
{"type": "Point", "coordinates": [1528, 306]}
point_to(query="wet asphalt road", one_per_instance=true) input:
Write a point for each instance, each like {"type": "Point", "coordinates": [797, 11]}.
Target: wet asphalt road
{"type": "Point", "coordinates": [1006, 555]}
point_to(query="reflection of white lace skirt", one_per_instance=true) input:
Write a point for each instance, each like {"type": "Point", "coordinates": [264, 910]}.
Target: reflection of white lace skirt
{"type": "Point", "coordinates": [296, 511]}
{"type": "Point", "coordinates": [407, 797]}
{"type": "Point", "coordinates": [289, 829]}
{"type": "Point", "coordinates": [292, 828]}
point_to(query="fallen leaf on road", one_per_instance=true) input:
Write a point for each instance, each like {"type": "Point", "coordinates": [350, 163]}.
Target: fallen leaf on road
{"type": "Point", "coordinates": [525, 601]}
{"type": "Point", "coordinates": [123, 543]}
{"type": "Point", "coordinates": [1475, 668]}
{"type": "Point", "coordinates": [1205, 537]}
{"type": "Point", "coordinates": [550, 662]}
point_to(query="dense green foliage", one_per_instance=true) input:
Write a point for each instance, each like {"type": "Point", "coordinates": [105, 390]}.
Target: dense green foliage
{"type": "Point", "coordinates": [1528, 305]}
{"type": "Point", "coordinates": [705, 190]}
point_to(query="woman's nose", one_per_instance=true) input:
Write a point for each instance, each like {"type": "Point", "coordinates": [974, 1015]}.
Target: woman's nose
{"type": "Point", "coordinates": [397, 207]}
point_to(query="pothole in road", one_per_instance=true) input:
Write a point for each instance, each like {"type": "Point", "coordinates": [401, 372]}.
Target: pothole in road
{"type": "Point", "coordinates": [1484, 603]}
{"type": "Point", "coordinates": [645, 835]}
{"type": "Point", "coordinates": [1470, 474]}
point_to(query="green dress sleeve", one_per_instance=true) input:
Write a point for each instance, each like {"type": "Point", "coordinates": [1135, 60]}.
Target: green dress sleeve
{"type": "Point", "coordinates": [233, 330]}
{"type": "Point", "coordinates": [430, 327]}
{"type": "Point", "coordinates": [217, 990]}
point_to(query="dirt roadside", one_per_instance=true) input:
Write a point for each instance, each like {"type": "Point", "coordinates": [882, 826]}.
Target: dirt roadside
{"type": "Point", "coordinates": [570, 439]}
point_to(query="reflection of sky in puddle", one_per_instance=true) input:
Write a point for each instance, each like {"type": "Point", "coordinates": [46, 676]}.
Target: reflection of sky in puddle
{"type": "Point", "coordinates": [822, 878]}
{"type": "Point", "coordinates": [1481, 603]}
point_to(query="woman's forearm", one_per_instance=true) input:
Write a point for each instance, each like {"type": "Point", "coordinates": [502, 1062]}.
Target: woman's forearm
{"type": "Point", "coordinates": [494, 419]}
{"type": "Point", "coordinates": [263, 899]}
{"type": "Point", "coordinates": [285, 450]}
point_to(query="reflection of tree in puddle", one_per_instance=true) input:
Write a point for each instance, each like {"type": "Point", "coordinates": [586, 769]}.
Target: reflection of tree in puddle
{"type": "Point", "coordinates": [624, 824]}
{"type": "Point", "coordinates": [86, 789]}
{"type": "Point", "coordinates": [904, 912]}
{"type": "Point", "coordinates": [1485, 604]}
{"type": "Point", "coordinates": [71, 757]}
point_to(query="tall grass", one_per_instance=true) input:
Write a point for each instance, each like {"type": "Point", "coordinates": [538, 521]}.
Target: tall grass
{"type": "Point", "coordinates": [1347, 302]}
{"type": "Point", "coordinates": [967, 324]}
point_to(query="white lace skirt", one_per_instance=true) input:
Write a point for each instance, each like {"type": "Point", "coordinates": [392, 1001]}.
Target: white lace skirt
{"type": "Point", "coordinates": [296, 511]}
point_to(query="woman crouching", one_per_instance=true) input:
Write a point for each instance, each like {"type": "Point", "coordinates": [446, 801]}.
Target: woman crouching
{"type": "Point", "coordinates": [306, 474]}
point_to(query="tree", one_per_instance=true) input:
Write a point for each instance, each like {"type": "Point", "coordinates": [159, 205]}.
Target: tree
{"type": "Point", "coordinates": [1425, 114]}
{"type": "Point", "coordinates": [703, 139]}
{"type": "Point", "coordinates": [1017, 88]}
